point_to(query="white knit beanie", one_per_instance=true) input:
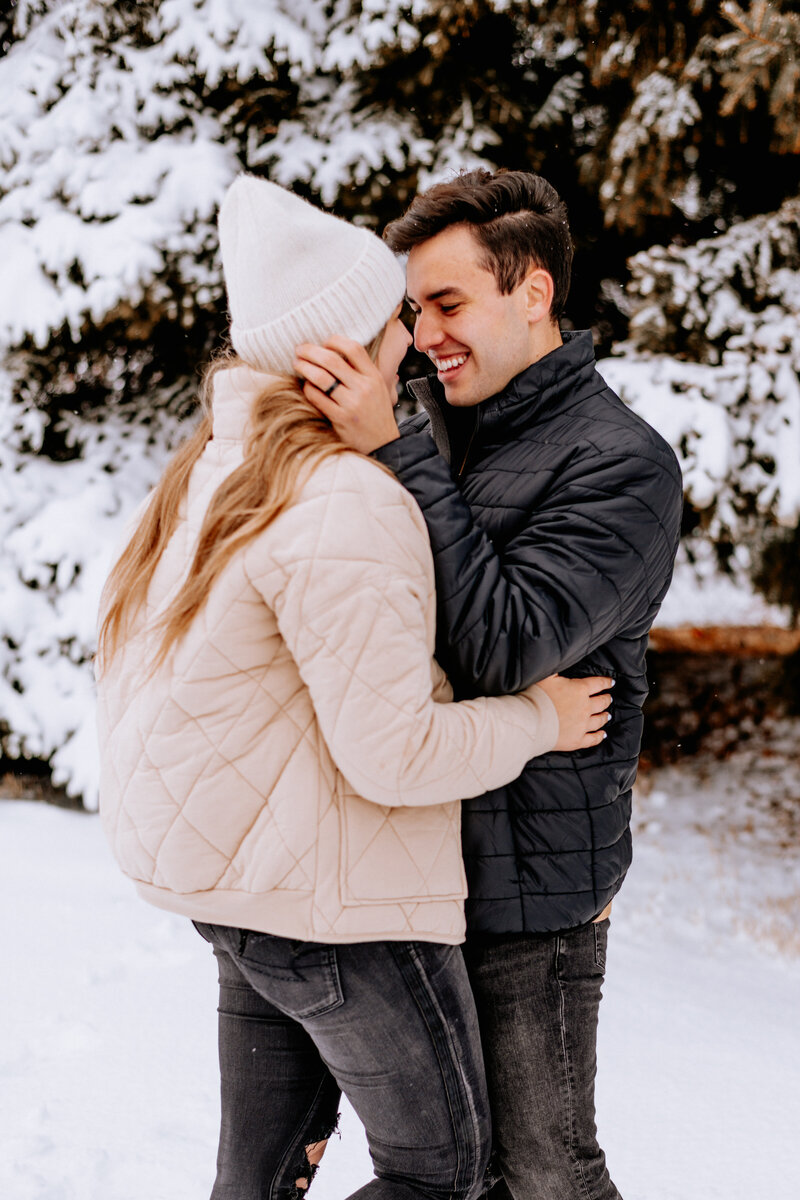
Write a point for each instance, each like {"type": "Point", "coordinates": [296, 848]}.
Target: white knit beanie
{"type": "Point", "coordinates": [296, 274]}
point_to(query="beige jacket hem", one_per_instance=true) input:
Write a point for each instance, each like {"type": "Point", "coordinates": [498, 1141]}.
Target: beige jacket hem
{"type": "Point", "coordinates": [290, 914]}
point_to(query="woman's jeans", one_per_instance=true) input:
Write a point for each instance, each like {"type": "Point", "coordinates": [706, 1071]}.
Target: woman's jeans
{"type": "Point", "coordinates": [390, 1024]}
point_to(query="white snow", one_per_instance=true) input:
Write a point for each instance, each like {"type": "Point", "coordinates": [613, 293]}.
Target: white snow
{"type": "Point", "coordinates": [700, 595]}
{"type": "Point", "coordinates": [729, 404]}
{"type": "Point", "coordinates": [662, 110]}
{"type": "Point", "coordinates": [108, 1068]}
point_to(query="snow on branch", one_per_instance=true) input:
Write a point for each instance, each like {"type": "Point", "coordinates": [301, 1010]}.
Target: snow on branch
{"type": "Point", "coordinates": [331, 144]}
{"type": "Point", "coordinates": [761, 56]}
{"type": "Point", "coordinates": [644, 146]}
{"type": "Point", "coordinates": [713, 362]}
{"type": "Point", "coordinates": [120, 128]}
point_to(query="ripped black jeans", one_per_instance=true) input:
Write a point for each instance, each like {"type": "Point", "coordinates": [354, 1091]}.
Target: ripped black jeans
{"type": "Point", "coordinates": [390, 1024]}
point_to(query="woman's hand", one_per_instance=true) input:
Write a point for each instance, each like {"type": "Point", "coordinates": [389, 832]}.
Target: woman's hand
{"type": "Point", "coordinates": [581, 705]}
{"type": "Point", "coordinates": [343, 382]}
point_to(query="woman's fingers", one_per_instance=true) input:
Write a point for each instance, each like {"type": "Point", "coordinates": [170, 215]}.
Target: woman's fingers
{"type": "Point", "coordinates": [351, 352]}
{"type": "Point", "coordinates": [598, 683]}
{"type": "Point", "coordinates": [326, 404]}
{"type": "Point", "coordinates": [599, 701]}
{"type": "Point", "coordinates": [323, 367]}
{"type": "Point", "coordinates": [582, 708]}
{"type": "Point", "coordinates": [324, 382]}
{"type": "Point", "coordinates": [340, 357]}
{"type": "Point", "coordinates": [599, 696]}
{"type": "Point", "coordinates": [324, 356]}
{"type": "Point", "coordinates": [598, 721]}
{"type": "Point", "coordinates": [343, 383]}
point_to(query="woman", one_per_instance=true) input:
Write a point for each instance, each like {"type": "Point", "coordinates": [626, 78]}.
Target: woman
{"type": "Point", "coordinates": [279, 764]}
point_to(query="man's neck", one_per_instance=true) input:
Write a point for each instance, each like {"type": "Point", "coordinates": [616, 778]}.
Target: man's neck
{"type": "Point", "coordinates": [544, 338]}
{"type": "Point", "coordinates": [543, 342]}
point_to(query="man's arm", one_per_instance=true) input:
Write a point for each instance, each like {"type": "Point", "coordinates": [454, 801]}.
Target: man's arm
{"type": "Point", "coordinates": [346, 571]}
{"type": "Point", "coordinates": [593, 560]}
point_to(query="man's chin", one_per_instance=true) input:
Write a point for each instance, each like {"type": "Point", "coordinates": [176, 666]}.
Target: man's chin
{"type": "Point", "coordinates": [461, 397]}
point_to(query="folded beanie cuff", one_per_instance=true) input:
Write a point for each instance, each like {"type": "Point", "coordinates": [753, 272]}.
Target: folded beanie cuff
{"type": "Point", "coordinates": [356, 305]}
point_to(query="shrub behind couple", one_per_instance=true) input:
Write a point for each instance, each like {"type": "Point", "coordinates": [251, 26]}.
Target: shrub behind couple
{"type": "Point", "coordinates": [284, 760]}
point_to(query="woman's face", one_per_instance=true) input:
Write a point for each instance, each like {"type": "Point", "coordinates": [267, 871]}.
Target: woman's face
{"type": "Point", "coordinates": [396, 341]}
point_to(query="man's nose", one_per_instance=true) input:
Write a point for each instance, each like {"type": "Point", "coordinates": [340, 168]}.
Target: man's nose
{"type": "Point", "coordinates": [427, 332]}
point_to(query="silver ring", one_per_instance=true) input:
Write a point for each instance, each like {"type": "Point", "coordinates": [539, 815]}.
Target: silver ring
{"type": "Point", "coordinates": [329, 391]}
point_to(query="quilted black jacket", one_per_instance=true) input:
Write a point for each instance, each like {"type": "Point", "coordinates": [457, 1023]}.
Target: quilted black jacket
{"type": "Point", "coordinates": [554, 515]}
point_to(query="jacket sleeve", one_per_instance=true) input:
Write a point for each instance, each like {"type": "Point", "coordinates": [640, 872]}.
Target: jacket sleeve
{"type": "Point", "coordinates": [347, 571]}
{"type": "Point", "coordinates": [593, 560]}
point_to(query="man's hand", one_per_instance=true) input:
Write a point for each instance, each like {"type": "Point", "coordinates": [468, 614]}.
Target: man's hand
{"type": "Point", "coordinates": [342, 381]}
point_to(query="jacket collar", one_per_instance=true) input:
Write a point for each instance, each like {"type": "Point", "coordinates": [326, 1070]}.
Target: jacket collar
{"type": "Point", "coordinates": [557, 381]}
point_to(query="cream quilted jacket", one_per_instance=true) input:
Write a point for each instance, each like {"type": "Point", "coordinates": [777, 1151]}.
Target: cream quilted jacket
{"type": "Point", "coordinates": [289, 770]}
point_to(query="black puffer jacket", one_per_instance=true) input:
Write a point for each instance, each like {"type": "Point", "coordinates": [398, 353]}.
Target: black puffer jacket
{"type": "Point", "coordinates": [554, 516]}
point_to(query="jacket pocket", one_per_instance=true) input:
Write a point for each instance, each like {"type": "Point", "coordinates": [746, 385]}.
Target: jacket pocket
{"type": "Point", "coordinates": [300, 978]}
{"type": "Point", "coordinates": [400, 855]}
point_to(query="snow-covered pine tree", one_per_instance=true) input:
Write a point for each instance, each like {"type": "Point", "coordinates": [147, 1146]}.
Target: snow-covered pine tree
{"type": "Point", "coordinates": [713, 361]}
{"type": "Point", "coordinates": [700, 103]}
{"type": "Point", "coordinates": [654, 121]}
{"type": "Point", "coordinates": [713, 354]}
{"type": "Point", "coordinates": [121, 125]}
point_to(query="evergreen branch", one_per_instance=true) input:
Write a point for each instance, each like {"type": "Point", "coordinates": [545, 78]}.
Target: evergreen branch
{"type": "Point", "coordinates": [765, 41]}
{"type": "Point", "coordinates": [760, 17]}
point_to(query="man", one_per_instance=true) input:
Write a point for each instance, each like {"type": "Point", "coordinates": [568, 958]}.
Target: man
{"type": "Point", "coordinates": [554, 515]}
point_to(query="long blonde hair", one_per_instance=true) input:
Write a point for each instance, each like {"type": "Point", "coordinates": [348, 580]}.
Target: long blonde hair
{"type": "Point", "coordinates": [287, 433]}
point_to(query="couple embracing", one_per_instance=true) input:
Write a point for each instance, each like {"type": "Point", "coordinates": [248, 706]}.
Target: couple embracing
{"type": "Point", "coordinates": [370, 698]}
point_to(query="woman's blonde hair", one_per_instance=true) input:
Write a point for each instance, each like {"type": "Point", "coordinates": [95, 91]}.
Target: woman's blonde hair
{"type": "Point", "coordinates": [287, 433]}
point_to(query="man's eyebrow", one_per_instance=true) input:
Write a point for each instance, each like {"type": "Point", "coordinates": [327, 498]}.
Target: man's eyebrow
{"type": "Point", "coordinates": [450, 290]}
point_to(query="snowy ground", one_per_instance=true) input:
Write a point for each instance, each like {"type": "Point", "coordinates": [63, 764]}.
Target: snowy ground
{"type": "Point", "coordinates": [107, 1058]}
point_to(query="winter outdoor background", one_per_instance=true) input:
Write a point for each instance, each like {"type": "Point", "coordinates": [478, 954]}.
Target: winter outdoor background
{"type": "Point", "coordinates": [673, 132]}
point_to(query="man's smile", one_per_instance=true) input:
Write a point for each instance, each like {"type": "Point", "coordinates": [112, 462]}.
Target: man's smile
{"type": "Point", "coordinates": [447, 367]}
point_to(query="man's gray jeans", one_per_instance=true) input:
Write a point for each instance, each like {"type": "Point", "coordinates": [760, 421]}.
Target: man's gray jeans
{"type": "Point", "coordinates": [538, 1000]}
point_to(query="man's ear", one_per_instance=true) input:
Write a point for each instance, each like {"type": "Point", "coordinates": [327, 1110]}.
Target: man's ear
{"type": "Point", "coordinates": [539, 289]}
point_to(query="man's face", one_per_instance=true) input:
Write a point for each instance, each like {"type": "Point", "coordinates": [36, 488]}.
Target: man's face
{"type": "Point", "coordinates": [477, 338]}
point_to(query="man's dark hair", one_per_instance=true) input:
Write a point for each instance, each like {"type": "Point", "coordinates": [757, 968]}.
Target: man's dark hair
{"type": "Point", "coordinates": [517, 218]}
